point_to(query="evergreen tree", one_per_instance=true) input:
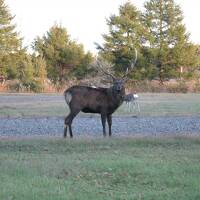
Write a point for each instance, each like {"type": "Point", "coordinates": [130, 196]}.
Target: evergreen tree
{"type": "Point", "coordinates": [62, 54]}
{"type": "Point", "coordinates": [83, 70]}
{"type": "Point", "coordinates": [126, 32]}
{"type": "Point", "coordinates": [10, 43]}
{"type": "Point", "coordinates": [26, 70]}
{"type": "Point", "coordinates": [40, 72]}
{"type": "Point", "coordinates": [12, 63]}
{"type": "Point", "coordinates": [168, 40]}
{"type": "Point", "coordinates": [189, 61]}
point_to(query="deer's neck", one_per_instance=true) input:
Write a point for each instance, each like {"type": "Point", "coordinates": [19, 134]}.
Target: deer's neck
{"type": "Point", "coordinates": [116, 97]}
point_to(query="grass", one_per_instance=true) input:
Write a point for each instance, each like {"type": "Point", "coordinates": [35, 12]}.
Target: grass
{"type": "Point", "coordinates": [86, 168]}
{"type": "Point", "coordinates": [167, 104]}
{"type": "Point", "coordinates": [152, 104]}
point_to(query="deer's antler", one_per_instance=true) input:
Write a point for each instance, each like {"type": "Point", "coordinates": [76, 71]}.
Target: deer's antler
{"type": "Point", "coordinates": [133, 62]}
{"type": "Point", "coordinates": [103, 66]}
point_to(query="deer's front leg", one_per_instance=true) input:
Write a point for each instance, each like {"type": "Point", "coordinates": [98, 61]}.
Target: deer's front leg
{"type": "Point", "coordinates": [109, 119]}
{"type": "Point", "coordinates": [103, 120]}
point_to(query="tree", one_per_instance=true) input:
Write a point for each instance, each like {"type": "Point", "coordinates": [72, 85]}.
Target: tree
{"type": "Point", "coordinates": [62, 54]}
{"type": "Point", "coordinates": [10, 43]}
{"type": "Point", "coordinates": [12, 63]}
{"type": "Point", "coordinates": [168, 40]}
{"type": "Point", "coordinates": [26, 70]}
{"type": "Point", "coordinates": [83, 70]}
{"type": "Point", "coordinates": [40, 72]}
{"type": "Point", "coordinates": [189, 61]}
{"type": "Point", "coordinates": [126, 32]}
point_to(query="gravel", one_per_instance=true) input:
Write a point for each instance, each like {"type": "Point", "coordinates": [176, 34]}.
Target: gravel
{"type": "Point", "coordinates": [91, 126]}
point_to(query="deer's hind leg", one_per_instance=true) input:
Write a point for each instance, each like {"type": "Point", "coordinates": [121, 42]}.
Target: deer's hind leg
{"type": "Point", "coordinates": [103, 121]}
{"type": "Point", "coordinates": [68, 122]}
{"type": "Point", "coordinates": [109, 120]}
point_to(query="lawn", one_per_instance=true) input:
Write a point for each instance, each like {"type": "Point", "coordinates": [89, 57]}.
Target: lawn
{"type": "Point", "coordinates": [87, 168]}
{"type": "Point", "coordinates": [146, 168]}
{"type": "Point", "coordinates": [151, 104]}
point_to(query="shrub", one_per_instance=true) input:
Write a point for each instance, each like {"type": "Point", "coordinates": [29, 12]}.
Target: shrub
{"type": "Point", "coordinates": [180, 87]}
{"type": "Point", "coordinates": [197, 86]}
{"type": "Point", "coordinates": [17, 86]}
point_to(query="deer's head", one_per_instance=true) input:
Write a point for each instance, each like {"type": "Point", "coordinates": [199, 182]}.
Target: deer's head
{"type": "Point", "coordinates": [117, 83]}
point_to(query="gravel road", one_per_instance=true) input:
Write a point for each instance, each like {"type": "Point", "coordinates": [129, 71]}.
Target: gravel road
{"type": "Point", "coordinates": [91, 126]}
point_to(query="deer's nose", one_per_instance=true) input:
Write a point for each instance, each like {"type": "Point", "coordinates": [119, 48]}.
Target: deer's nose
{"type": "Point", "coordinates": [119, 88]}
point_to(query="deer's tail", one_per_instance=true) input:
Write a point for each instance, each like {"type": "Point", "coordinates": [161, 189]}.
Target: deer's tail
{"type": "Point", "coordinates": [68, 96]}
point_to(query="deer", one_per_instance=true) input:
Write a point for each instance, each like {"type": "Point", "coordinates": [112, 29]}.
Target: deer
{"type": "Point", "coordinates": [131, 99]}
{"type": "Point", "coordinates": [104, 101]}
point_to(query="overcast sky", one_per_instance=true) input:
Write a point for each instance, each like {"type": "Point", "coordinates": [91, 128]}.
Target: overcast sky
{"type": "Point", "coordinates": [85, 20]}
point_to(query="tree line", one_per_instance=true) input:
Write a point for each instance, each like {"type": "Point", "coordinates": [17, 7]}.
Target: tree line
{"type": "Point", "coordinates": [158, 33]}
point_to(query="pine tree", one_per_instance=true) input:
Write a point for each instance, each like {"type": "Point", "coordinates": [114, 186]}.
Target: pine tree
{"type": "Point", "coordinates": [168, 39]}
{"type": "Point", "coordinates": [26, 70]}
{"type": "Point", "coordinates": [10, 43]}
{"type": "Point", "coordinates": [40, 72]}
{"type": "Point", "coordinates": [61, 53]}
{"type": "Point", "coordinates": [126, 32]}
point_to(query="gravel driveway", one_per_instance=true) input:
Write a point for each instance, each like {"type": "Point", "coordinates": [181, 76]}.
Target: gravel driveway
{"type": "Point", "coordinates": [91, 126]}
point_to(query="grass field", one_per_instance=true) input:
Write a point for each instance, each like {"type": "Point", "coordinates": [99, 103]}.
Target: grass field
{"type": "Point", "coordinates": [86, 168]}
{"type": "Point", "coordinates": [154, 168]}
{"type": "Point", "coordinates": [165, 104]}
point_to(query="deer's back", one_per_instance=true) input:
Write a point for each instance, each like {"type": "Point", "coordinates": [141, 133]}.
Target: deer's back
{"type": "Point", "coordinates": [91, 100]}
{"type": "Point", "coordinates": [87, 98]}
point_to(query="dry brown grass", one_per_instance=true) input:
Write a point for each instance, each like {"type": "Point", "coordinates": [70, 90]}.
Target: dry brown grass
{"type": "Point", "coordinates": [171, 86]}
{"type": "Point", "coordinates": [154, 86]}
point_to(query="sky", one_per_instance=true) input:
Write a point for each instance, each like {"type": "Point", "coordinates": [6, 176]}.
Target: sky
{"type": "Point", "coordinates": [85, 20]}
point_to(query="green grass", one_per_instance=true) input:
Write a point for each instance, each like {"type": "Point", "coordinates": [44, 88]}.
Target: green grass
{"type": "Point", "coordinates": [166, 104]}
{"type": "Point", "coordinates": [152, 104]}
{"type": "Point", "coordinates": [117, 168]}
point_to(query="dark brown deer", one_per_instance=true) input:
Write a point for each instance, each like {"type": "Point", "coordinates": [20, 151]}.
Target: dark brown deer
{"type": "Point", "coordinates": [104, 101]}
